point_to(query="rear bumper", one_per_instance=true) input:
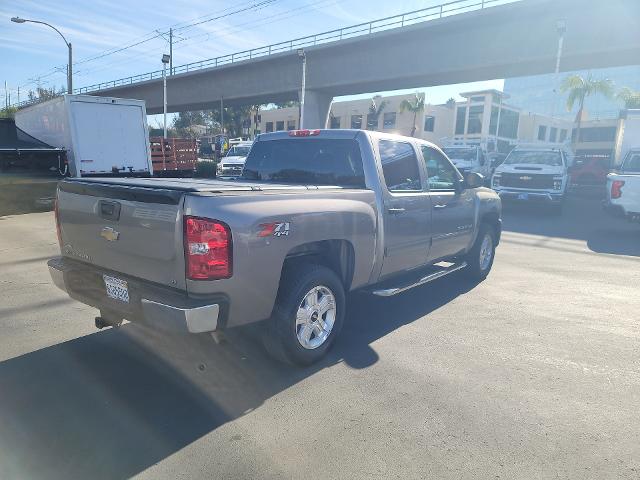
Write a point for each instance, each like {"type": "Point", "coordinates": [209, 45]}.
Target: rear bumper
{"type": "Point", "coordinates": [618, 211]}
{"type": "Point", "coordinates": [531, 196]}
{"type": "Point", "coordinates": [154, 305]}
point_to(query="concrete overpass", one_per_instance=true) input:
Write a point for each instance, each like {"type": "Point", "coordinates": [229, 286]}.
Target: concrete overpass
{"type": "Point", "coordinates": [510, 40]}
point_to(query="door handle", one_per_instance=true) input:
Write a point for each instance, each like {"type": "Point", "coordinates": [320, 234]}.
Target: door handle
{"type": "Point", "coordinates": [396, 211]}
{"type": "Point", "coordinates": [440, 205]}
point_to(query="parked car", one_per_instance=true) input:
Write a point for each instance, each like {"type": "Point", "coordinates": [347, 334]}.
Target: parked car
{"type": "Point", "coordinates": [534, 174]}
{"type": "Point", "coordinates": [623, 188]}
{"type": "Point", "coordinates": [316, 214]}
{"type": "Point", "coordinates": [469, 158]}
{"type": "Point", "coordinates": [232, 164]}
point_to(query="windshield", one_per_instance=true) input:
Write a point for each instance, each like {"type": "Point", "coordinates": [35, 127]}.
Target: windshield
{"type": "Point", "coordinates": [315, 161]}
{"type": "Point", "coordinates": [468, 154]}
{"type": "Point", "coordinates": [238, 151]}
{"type": "Point", "coordinates": [552, 158]}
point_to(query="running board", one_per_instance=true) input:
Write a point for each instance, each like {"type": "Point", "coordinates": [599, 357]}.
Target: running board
{"type": "Point", "coordinates": [389, 292]}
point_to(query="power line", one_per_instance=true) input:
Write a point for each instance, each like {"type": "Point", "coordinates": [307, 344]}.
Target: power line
{"type": "Point", "coordinates": [155, 34]}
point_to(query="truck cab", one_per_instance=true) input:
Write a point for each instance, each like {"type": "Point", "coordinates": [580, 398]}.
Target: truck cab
{"type": "Point", "coordinates": [232, 164]}
{"type": "Point", "coordinates": [469, 158]}
{"type": "Point", "coordinates": [534, 174]}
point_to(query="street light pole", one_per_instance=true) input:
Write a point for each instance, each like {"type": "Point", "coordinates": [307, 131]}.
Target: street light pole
{"type": "Point", "coordinates": [303, 55]}
{"type": "Point", "coordinates": [561, 27]}
{"type": "Point", "coordinates": [68, 44]}
{"type": "Point", "coordinates": [165, 59]}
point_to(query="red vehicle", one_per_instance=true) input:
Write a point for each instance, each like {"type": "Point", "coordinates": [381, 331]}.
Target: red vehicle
{"type": "Point", "coordinates": [590, 170]}
{"type": "Point", "coordinates": [173, 155]}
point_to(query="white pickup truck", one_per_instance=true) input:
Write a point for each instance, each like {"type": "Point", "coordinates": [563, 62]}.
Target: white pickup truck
{"type": "Point", "coordinates": [623, 188]}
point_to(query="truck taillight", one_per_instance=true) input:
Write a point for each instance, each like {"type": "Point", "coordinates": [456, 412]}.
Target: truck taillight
{"type": "Point", "coordinates": [207, 249]}
{"type": "Point", "coordinates": [56, 214]}
{"type": "Point", "coordinates": [616, 188]}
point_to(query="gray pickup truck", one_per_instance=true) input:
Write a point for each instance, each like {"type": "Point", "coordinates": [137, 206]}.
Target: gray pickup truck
{"type": "Point", "coordinates": [316, 213]}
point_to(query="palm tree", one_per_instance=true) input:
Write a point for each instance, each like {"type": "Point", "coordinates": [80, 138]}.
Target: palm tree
{"type": "Point", "coordinates": [375, 109]}
{"type": "Point", "coordinates": [579, 88]}
{"type": "Point", "coordinates": [416, 106]}
{"type": "Point", "coordinates": [631, 98]}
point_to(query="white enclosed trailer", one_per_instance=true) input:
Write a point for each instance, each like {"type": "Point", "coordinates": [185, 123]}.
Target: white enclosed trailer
{"type": "Point", "coordinates": [102, 135]}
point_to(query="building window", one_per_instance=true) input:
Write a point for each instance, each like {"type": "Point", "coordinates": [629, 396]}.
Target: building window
{"type": "Point", "coordinates": [509, 120]}
{"type": "Point", "coordinates": [279, 125]}
{"type": "Point", "coordinates": [461, 114]}
{"type": "Point", "coordinates": [335, 122]}
{"type": "Point", "coordinates": [291, 124]}
{"type": "Point", "coordinates": [478, 99]}
{"type": "Point", "coordinates": [429, 123]}
{"type": "Point", "coordinates": [563, 135]}
{"type": "Point", "coordinates": [475, 119]}
{"type": "Point", "coordinates": [269, 127]}
{"type": "Point", "coordinates": [542, 133]}
{"type": "Point", "coordinates": [372, 121]}
{"type": "Point", "coordinates": [493, 121]}
{"type": "Point", "coordinates": [389, 120]}
{"type": "Point", "coordinates": [356, 121]}
{"type": "Point", "coordinates": [598, 134]}
{"type": "Point", "coordinates": [553, 134]}
{"type": "Point", "coordinates": [399, 166]}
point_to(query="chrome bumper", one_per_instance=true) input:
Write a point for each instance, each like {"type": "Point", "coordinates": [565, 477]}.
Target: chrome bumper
{"type": "Point", "coordinates": [182, 315]}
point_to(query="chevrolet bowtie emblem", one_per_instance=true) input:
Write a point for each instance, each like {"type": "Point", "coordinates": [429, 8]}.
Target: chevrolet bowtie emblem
{"type": "Point", "coordinates": [109, 234]}
{"type": "Point", "coordinates": [525, 178]}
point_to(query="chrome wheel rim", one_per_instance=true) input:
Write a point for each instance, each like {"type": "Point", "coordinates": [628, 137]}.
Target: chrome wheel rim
{"type": "Point", "coordinates": [486, 252]}
{"type": "Point", "coordinates": [315, 317]}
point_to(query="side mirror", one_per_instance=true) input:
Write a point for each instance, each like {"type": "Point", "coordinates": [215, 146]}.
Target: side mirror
{"type": "Point", "coordinates": [473, 180]}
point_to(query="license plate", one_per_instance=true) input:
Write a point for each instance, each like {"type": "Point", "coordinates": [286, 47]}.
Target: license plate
{"type": "Point", "coordinates": [116, 288]}
{"type": "Point", "coordinates": [523, 196]}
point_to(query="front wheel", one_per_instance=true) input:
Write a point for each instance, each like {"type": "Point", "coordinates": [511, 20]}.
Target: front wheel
{"type": "Point", "coordinates": [480, 257]}
{"type": "Point", "coordinates": [308, 315]}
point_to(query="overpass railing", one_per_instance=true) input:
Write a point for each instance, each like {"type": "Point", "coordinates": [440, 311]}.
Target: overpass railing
{"type": "Point", "coordinates": [362, 29]}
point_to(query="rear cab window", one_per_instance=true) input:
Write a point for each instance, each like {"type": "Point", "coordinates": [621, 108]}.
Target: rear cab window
{"type": "Point", "coordinates": [316, 161]}
{"type": "Point", "coordinates": [399, 166]}
{"type": "Point", "coordinates": [632, 163]}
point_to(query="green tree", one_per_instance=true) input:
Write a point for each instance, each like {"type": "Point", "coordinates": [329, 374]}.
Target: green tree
{"type": "Point", "coordinates": [415, 106]}
{"type": "Point", "coordinates": [8, 112]}
{"type": "Point", "coordinates": [579, 88]}
{"type": "Point", "coordinates": [375, 109]}
{"type": "Point", "coordinates": [451, 103]}
{"type": "Point", "coordinates": [631, 98]}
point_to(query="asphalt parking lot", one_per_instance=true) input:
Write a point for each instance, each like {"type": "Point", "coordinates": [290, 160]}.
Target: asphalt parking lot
{"type": "Point", "coordinates": [535, 373]}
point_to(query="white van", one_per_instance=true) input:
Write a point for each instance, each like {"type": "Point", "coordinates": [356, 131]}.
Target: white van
{"type": "Point", "coordinates": [232, 164]}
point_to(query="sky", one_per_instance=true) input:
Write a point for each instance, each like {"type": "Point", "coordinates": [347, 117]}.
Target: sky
{"type": "Point", "coordinates": [35, 55]}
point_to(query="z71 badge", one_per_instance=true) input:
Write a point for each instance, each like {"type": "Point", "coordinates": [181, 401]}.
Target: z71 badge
{"type": "Point", "coordinates": [275, 229]}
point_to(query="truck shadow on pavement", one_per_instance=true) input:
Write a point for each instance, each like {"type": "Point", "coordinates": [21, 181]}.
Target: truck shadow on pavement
{"type": "Point", "coordinates": [582, 219]}
{"type": "Point", "coordinates": [114, 403]}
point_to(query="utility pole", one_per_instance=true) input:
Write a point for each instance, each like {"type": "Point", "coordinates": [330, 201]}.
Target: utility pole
{"type": "Point", "coordinates": [6, 98]}
{"type": "Point", "coordinates": [171, 51]}
{"type": "Point", "coordinates": [303, 56]}
{"type": "Point", "coordinates": [165, 60]}
{"type": "Point", "coordinates": [561, 27]}
{"type": "Point", "coordinates": [221, 115]}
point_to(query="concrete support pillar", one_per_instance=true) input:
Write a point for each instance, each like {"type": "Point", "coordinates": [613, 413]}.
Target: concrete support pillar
{"type": "Point", "coordinates": [316, 109]}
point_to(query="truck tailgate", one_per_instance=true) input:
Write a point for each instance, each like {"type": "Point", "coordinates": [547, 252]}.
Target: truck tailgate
{"type": "Point", "coordinates": [132, 230]}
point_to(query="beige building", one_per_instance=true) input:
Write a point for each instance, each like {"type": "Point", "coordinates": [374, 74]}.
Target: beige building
{"type": "Point", "coordinates": [482, 118]}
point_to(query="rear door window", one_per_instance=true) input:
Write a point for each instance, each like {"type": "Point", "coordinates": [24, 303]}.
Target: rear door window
{"type": "Point", "coordinates": [632, 164]}
{"type": "Point", "coordinates": [399, 166]}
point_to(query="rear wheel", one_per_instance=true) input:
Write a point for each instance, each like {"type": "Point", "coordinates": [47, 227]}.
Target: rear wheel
{"type": "Point", "coordinates": [480, 257]}
{"type": "Point", "coordinates": [308, 315]}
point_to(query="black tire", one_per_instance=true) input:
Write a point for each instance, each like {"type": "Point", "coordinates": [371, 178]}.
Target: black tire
{"type": "Point", "coordinates": [281, 338]}
{"type": "Point", "coordinates": [475, 270]}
